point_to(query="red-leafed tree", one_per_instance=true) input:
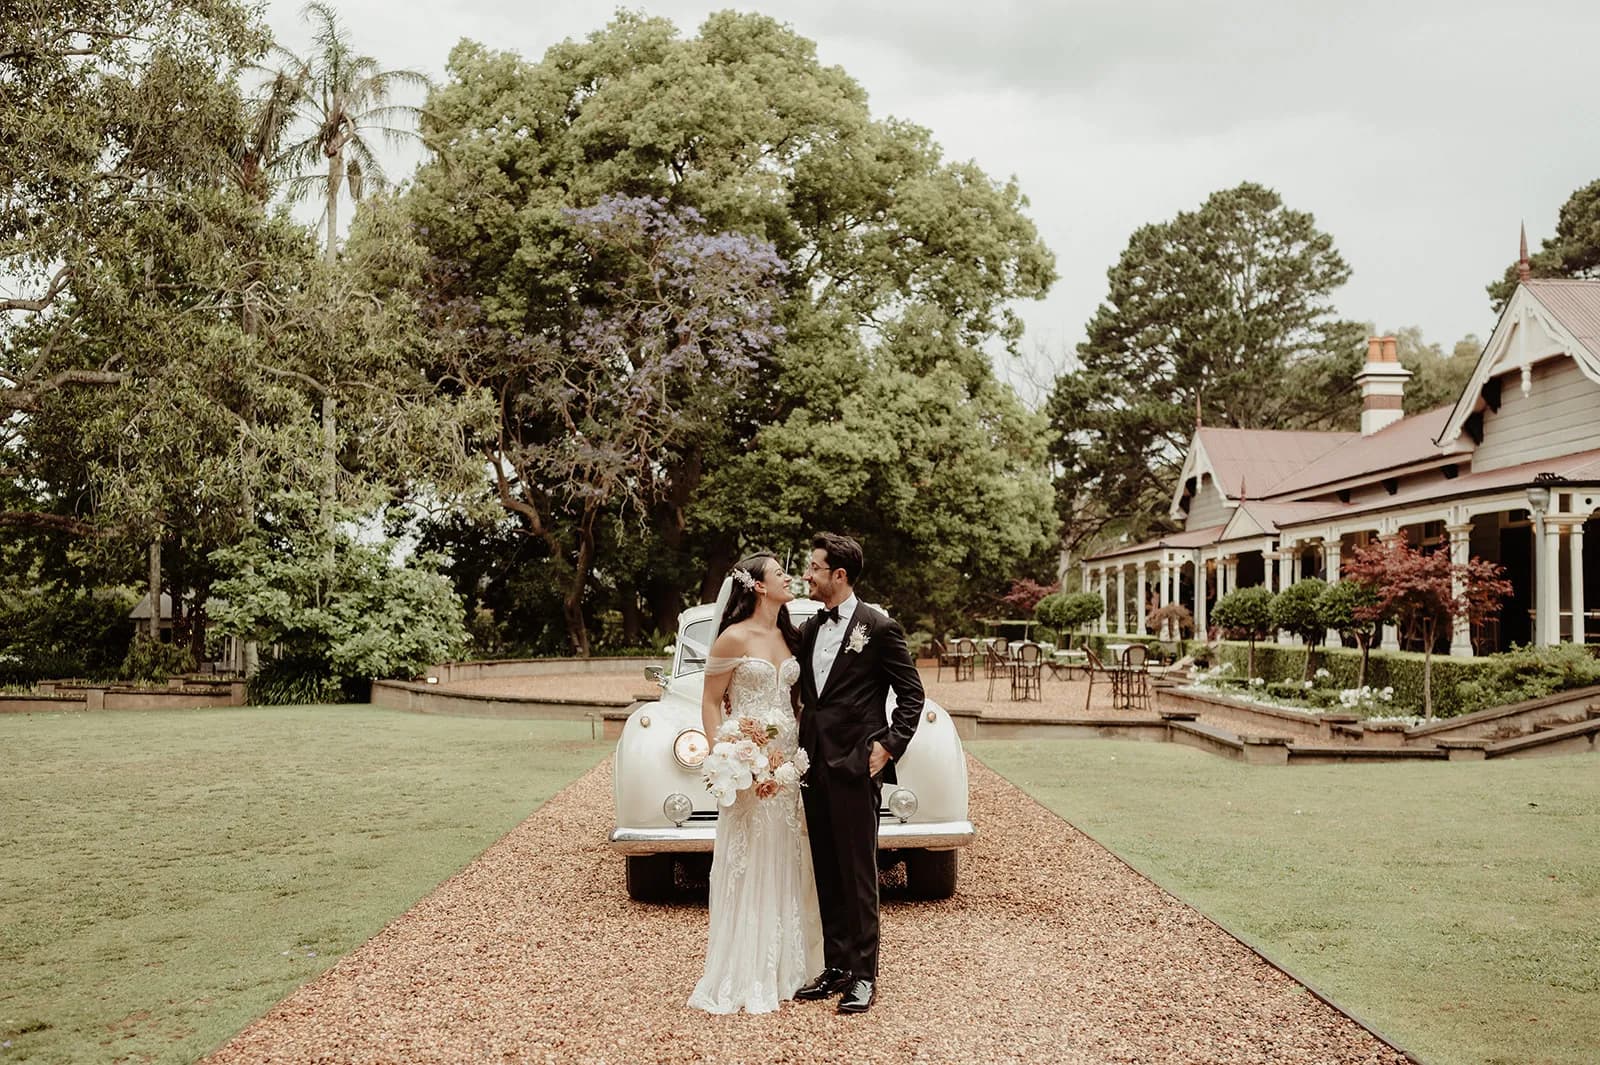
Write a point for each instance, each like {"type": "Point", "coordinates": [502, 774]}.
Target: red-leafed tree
{"type": "Point", "coordinates": [1424, 593]}
{"type": "Point", "coordinates": [1024, 596]}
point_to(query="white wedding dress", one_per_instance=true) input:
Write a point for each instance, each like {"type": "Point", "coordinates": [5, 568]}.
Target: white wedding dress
{"type": "Point", "coordinates": [766, 930]}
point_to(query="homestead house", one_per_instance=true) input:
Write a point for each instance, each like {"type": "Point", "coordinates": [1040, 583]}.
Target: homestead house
{"type": "Point", "coordinates": [1510, 473]}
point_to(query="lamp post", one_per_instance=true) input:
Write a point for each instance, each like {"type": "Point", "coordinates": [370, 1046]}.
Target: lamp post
{"type": "Point", "coordinates": [1538, 503]}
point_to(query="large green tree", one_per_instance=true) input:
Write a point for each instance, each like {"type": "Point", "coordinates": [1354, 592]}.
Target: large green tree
{"type": "Point", "coordinates": [110, 111]}
{"type": "Point", "coordinates": [1574, 250]}
{"type": "Point", "coordinates": [1222, 315]}
{"type": "Point", "coordinates": [899, 268]}
{"type": "Point", "coordinates": [206, 325]}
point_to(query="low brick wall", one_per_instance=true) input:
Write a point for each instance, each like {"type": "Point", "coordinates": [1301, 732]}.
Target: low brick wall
{"type": "Point", "coordinates": [1516, 719]}
{"type": "Point", "coordinates": [1242, 718]}
{"type": "Point", "coordinates": [36, 704]}
{"type": "Point", "coordinates": [450, 672]}
{"type": "Point", "coordinates": [432, 699]}
{"type": "Point", "coordinates": [75, 697]}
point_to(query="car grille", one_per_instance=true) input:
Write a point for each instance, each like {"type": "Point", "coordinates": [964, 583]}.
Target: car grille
{"type": "Point", "coordinates": [711, 815]}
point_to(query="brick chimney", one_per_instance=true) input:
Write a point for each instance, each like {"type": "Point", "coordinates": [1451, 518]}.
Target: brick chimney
{"type": "Point", "coordinates": [1383, 385]}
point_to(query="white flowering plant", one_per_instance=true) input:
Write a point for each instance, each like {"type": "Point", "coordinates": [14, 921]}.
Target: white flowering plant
{"type": "Point", "coordinates": [1365, 697]}
{"type": "Point", "coordinates": [744, 758]}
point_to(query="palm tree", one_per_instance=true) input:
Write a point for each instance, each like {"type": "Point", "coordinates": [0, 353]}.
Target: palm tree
{"type": "Point", "coordinates": [339, 99]}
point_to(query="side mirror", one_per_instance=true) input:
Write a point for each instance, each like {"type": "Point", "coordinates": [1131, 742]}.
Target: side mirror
{"type": "Point", "coordinates": [656, 675]}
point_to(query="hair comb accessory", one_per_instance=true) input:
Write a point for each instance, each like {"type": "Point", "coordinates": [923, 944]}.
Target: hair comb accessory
{"type": "Point", "coordinates": [742, 575]}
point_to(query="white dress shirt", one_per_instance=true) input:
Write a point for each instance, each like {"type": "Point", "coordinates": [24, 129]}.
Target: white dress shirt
{"type": "Point", "coordinates": [830, 637]}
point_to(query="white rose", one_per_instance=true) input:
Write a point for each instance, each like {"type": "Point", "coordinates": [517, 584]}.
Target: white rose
{"type": "Point", "coordinates": [802, 760]}
{"type": "Point", "coordinates": [786, 774]}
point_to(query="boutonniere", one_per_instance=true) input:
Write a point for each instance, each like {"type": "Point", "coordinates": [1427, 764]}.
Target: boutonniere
{"type": "Point", "coordinates": [858, 639]}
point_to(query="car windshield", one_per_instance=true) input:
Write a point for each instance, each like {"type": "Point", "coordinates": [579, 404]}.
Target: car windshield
{"type": "Point", "coordinates": [693, 645]}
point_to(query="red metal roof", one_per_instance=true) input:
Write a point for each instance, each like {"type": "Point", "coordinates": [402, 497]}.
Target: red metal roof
{"type": "Point", "coordinates": [1255, 460]}
{"type": "Point", "coordinates": [1581, 467]}
{"type": "Point", "coordinates": [1407, 441]}
{"type": "Point", "coordinates": [1575, 303]}
{"type": "Point", "coordinates": [1186, 538]}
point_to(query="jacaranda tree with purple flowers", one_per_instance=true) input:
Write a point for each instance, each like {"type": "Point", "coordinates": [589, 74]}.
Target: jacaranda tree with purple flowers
{"type": "Point", "coordinates": [664, 326]}
{"type": "Point", "coordinates": [875, 411]}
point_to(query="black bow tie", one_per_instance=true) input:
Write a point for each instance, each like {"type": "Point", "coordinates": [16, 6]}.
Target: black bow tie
{"type": "Point", "coordinates": [830, 614]}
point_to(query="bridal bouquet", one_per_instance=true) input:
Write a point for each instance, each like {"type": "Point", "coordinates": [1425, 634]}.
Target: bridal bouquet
{"type": "Point", "coordinates": [743, 757]}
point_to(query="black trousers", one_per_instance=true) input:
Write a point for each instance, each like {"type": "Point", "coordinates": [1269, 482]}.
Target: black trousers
{"type": "Point", "coordinates": [842, 820]}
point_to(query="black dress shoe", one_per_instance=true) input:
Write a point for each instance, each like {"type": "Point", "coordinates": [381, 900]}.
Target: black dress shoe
{"type": "Point", "coordinates": [831, 982]}
{"type": "Point", "coordinates": [857, 997]}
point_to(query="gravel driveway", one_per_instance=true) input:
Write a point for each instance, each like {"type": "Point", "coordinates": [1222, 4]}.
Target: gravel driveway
{"type": "Point", "coordinates": [1051, 951]}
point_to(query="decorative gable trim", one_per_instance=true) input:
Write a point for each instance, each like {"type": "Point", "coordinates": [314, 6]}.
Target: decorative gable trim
{"type": "Point", "coordinates": [1527, 333]}
{"type": "Point", "coordinates": [1195, 465]}
{"type": "Point", "coordinates": [1243, 524]}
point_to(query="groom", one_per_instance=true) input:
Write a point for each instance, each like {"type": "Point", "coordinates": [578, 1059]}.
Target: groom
{"type": "Point", "coordinates": [851, 654]}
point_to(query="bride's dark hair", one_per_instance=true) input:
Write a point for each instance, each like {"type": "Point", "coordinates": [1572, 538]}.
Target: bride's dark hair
{"type": "Point", "coordinates": [742, 599]}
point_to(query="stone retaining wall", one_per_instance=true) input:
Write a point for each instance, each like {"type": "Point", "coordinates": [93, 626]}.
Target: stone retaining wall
{"type": "Point", "coordinates": [56, 698]}
{"type": "Point", "coordinates": [450, 672]}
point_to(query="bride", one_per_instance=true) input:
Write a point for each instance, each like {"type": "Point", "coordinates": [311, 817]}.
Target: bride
{"type": "Point", "coordinates": [766, 931]}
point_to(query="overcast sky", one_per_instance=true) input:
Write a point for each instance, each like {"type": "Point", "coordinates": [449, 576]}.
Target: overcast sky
{"type": "Point", "coordinates": [1418, 133]}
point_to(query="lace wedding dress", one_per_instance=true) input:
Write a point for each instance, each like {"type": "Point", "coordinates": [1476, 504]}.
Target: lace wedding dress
{"type": "Point", "coordinates": [766, 931]}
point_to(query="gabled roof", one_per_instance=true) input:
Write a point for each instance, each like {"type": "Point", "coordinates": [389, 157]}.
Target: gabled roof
{"type": "Point", "coordinates": [1250, 461]}
{"type": "Point", "coordinates": [1543, 319]}
{"type": "Point", "coordinates": [1257, 518]}
{"type": "Point", "coordinates": [1256, 460]}
{"type": "Point", "coordinates": [1576, 304]}
{"type": "Point", "coordinates": [1186, 538]}
{"type": "Point", "coordinates": [1404, 443]}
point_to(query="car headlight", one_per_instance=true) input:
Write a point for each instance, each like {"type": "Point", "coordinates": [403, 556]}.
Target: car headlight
{"type": "Point", "coordinates": [690, 748]}
{"type": "Point", "coordinates": [677, 808]}
{"type": "Point", "coordinates": [902, 803]}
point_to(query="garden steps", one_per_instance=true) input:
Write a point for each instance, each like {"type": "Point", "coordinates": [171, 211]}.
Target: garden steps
{"type": "Point", "coordinates": [1514, 719]}
{"type": "Point", "coordinates": [1326, 753]}
{"type": "Point", "coordinates": [1579, 737]}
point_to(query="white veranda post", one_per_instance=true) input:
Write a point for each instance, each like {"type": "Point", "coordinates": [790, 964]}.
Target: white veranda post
{"type": "Point", "coordinates": [1138, 606]}
{"type": "Point", "coordinates": [1575, 545]}
{"type": "Point", "coordinates": [1460, 552]}
{"type": "Point", "coordinates": [1122, 600]}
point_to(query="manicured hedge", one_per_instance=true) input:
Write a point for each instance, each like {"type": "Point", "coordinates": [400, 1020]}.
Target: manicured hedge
{"type": "Point", "coordinates": [1098, 642]}
{"type": "Point", "coordinates": [1401, 670]}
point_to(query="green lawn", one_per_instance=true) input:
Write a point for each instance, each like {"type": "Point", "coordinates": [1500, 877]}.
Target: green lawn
{"type": "Point", "coordinates": [166, 877]}
{"type": "Point", "coordinates": [1455, 907]}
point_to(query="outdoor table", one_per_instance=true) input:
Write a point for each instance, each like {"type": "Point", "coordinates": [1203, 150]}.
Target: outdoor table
{"type": "Point", "coordinates": [1062, 663]}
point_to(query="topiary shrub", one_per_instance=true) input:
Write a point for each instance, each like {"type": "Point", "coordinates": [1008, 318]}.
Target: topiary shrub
{"type": "Point", "coordinates": [1066, 611]}
{"type": "Point", "coordinates": [1297, 611]}
{"type": "Point", "coordinates": [1245, 614]}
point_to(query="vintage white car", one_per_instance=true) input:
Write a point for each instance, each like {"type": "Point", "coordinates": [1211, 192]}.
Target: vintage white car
{"type": "Point", "coordinates": [665, 815]}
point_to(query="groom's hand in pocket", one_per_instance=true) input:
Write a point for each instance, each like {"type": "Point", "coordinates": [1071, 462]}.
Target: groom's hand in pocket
{"type": "Point", "coordinates": [878, 758]}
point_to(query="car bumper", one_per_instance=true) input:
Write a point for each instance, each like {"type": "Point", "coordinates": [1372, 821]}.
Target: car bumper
{"type": "Point", "coordinates": [892, 835]}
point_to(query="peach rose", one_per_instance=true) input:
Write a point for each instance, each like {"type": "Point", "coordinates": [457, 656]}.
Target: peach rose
{"type": "Point", "coordinates": [766, 789]}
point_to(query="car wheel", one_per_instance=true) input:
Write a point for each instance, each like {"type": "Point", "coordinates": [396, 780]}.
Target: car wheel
{"type": "Point", "coordinates": [931, 874]}
{"type": "Point", "coordinates": [649, 877]}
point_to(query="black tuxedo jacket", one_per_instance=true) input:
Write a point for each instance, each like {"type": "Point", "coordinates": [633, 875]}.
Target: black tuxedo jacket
{"type": "Point", "coordinates": [839, 723]}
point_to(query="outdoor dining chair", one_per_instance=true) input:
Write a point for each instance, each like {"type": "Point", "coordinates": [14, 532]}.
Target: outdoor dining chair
{"type": "Point", "coordinates": [1135, 674]}
{"type": "Point", "coordinates": [1026, 670]}
{"type": "Point", "coordinates": [1113, 673]}
{"type": "Point", "coordinates": [945, 656]}
{"type": "Point", "coordinates": [966, 658]}
{"type": "Point", "coordinates": [997, 652]}
{"type": "Point", "coordinates": [997, 660]}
